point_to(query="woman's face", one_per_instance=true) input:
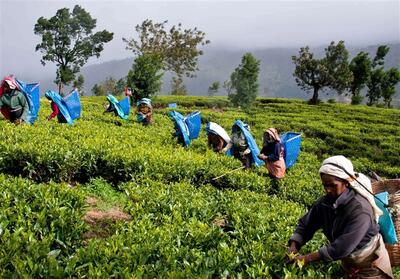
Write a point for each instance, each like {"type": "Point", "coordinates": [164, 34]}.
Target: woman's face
{"type": "Point", "coordinates": [268, 138]}
{"type": "Point", "coordinates": [6, 87]}
{"type": "Point", "coordinates": [333, 186]}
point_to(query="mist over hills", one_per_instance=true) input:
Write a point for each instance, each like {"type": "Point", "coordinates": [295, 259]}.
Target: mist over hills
{"type": "Point", "coordinates": [275, 79]}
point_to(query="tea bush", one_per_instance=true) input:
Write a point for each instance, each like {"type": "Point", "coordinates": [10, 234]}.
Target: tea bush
{"type": "Point", "coordinates": [184, 222]}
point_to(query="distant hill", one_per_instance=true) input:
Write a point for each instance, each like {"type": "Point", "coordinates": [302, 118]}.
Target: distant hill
{"type": "Point", "coordinates": [276, 78]}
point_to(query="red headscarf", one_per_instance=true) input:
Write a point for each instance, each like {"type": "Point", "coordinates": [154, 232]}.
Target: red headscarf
{"type": "Point", "coordinates": [12, 83]}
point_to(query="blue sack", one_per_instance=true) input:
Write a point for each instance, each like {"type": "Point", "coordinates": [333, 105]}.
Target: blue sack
{"type": "Point", "coordinates": [172, 105]}
{"type": "Point", "coordinates": [251, 142]}
{"type": "Point", "coordinates": [73, 104]}
{"type": "Point", "coordinates": [32, 94]}
{"type": "Point", "coordinates": [193, 122]}
{"type": "Point", "coordinates": [122, 107]}
{"type": "Point", "coordinates": [125, 105]}
{"type": "Point", "coordinates": [291, 143]}
{"type": "Point", "coordinates": [181, 127]}
{"type": "Point", "coordinates": [56, 98]}
{"type": "Point", "coordinates": [385, 221]}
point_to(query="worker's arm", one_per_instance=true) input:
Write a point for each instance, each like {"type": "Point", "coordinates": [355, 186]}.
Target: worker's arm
{"type": "Point", "coordinates": [24, 105]}
{"type": "Point", "coordinates": [227, 147]}
{"type": "Point", "coordinates": [347, 242]}
{"type": "Point", "coordinates": [55, 110]}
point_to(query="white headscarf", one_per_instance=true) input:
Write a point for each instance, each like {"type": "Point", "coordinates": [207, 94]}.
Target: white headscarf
{"type": "Point", "coordinates": [11, 85]}
{"type": "Point", "coordinates": [345, 170]}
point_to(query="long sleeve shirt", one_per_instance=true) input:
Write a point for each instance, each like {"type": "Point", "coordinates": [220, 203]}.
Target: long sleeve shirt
{"type": "Point", "coordinates": [55, 110]}
{"type": "Point", "coordinates": [348, 223]}
{"type": "Point", "coordinates": [16, 104]}
{"type": "Point", "coordinates": [272, 151]}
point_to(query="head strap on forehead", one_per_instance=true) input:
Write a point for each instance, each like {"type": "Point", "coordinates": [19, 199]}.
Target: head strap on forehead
{"type": "Point", "coordinates": [273, 133]}
{"type": "Point", "coordinates": [341, 167]}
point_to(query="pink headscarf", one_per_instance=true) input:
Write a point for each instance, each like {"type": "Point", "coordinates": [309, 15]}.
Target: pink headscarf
{"type": "Point", "coordinates": [12, 83]}
{"type": "Point", "coordinates": [274, 134]}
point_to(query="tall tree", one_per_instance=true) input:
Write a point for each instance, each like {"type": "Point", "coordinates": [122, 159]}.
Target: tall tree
{"type": "Point", "coordinates": [120, 85]}
{"type": "Point", "coordinates": [244, 81]}
{"type": "Point", "coordinates": [213, 88]}
{"type": "Point", "coordinates": [98, 90]}
{"type": "Point", "coordinates": [332, 71]}
{"type": "Point", "coordinates": [310, 73]}
{"type": "Point", "coordinates": [337, 61]}
{"type": "Point", "coordinates": [392, 77]}
{"type": "Point", "coordinates": [379, 59]}
{"type": "Point", "coordinates": [78, 84]}
{"type": "Point", "coordinates": [109, 86]}
{"type": "Point", "coordinates": [360, 66]}
{"type": "Point", "coordinates": [374, 85]}
{"type": "Point", "coordinates": [177, 47]}
{"type": "Point", "coordinates": [382, 83]}
{"type": "Point", "coordinates": [227, 85]}
{"type": "Point", "coordinates": [68, 41]}
{"type": "Point", "coordinates": [145, 76]}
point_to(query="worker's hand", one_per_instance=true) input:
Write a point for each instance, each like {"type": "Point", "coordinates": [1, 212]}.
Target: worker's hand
{"type": "Point", "coordinates": [262, 157]}
{"type": "Point", "coordinates": [19, 121]}
{"type": "Point", "coordinates": [291, 253]}
{"type": "Point", "coordinates": [304, 260]}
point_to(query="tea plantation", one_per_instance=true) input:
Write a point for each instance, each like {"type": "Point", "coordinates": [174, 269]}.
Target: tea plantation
{"type": "Point", "coordinates": [181, 223]}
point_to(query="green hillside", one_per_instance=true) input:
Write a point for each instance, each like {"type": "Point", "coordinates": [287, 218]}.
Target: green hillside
{"type": "Point", "coordinates": [163, 215]}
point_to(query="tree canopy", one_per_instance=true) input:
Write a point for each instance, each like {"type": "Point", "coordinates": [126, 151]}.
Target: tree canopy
{"type": "Point", "coordinates": [331, 71]}
{"type": "Point", "coordinates": [177, 47]}
{"type": "Point", "coordinates": [244, 82]}
{"type": "Point", "coordinates": [68, 40]}
{"type": "Point", "coordinates": [145, 76]}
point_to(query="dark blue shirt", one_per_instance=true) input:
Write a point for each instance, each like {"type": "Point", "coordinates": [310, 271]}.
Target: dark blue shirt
{"type": "Point", "coordinates": [348, 223]}
{"type": "Point", "coordinates": [272, 151]}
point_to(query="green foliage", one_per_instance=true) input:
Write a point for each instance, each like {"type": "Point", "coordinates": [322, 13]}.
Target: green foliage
{"type": "Point", "coordinates": [336, 57]}
{"type": "Point", "coordinates": [109, 86]}
{"type": "Point", "coordinates": [98, 90]}
{"type": "Point", "coordinates": [213, 88]}
{"type": "Point", "coordinates": [360, 66]}
{"type": "Point", "coordinates": [381, 83]}
{"type": "Point", "coordinates": [107, 195]}
{"type": "Point", "coordinates": [316, 74]}
{"type": "Point", "coordinates": [183, 231]}
{"type": "Point", "coordinates": [145, 76]}
{"type": "Point", "coordinates": [244, 81]}
{"type": "Point", "coordinates": [177, 87]}
{"type": "Point", "coordinates": [68, 41]}
{"type": "Point", "coordinates": [374, 86]}
{"type": "Point", "coordinates": [120, 85]}
{"type": "Point", "coordinates": [390, 80]}
{"type": "Point", "coordinates": [40, 228]}
{"type": "Point", "coordinates": [184, 224]}
{"type": "Point", "coordinates": [177, 47]}
{"type": "Point", "coordinates": [78, 84]}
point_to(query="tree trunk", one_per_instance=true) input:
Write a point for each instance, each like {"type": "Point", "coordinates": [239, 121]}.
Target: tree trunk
{"type": "Point", "coordinates": [60, 88]}
{"type": "Point", "coordinates": [314, 98]}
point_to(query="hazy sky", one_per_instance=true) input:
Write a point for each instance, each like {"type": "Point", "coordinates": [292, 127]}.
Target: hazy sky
{"type": "Point", "coordinates": [236, 24]}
